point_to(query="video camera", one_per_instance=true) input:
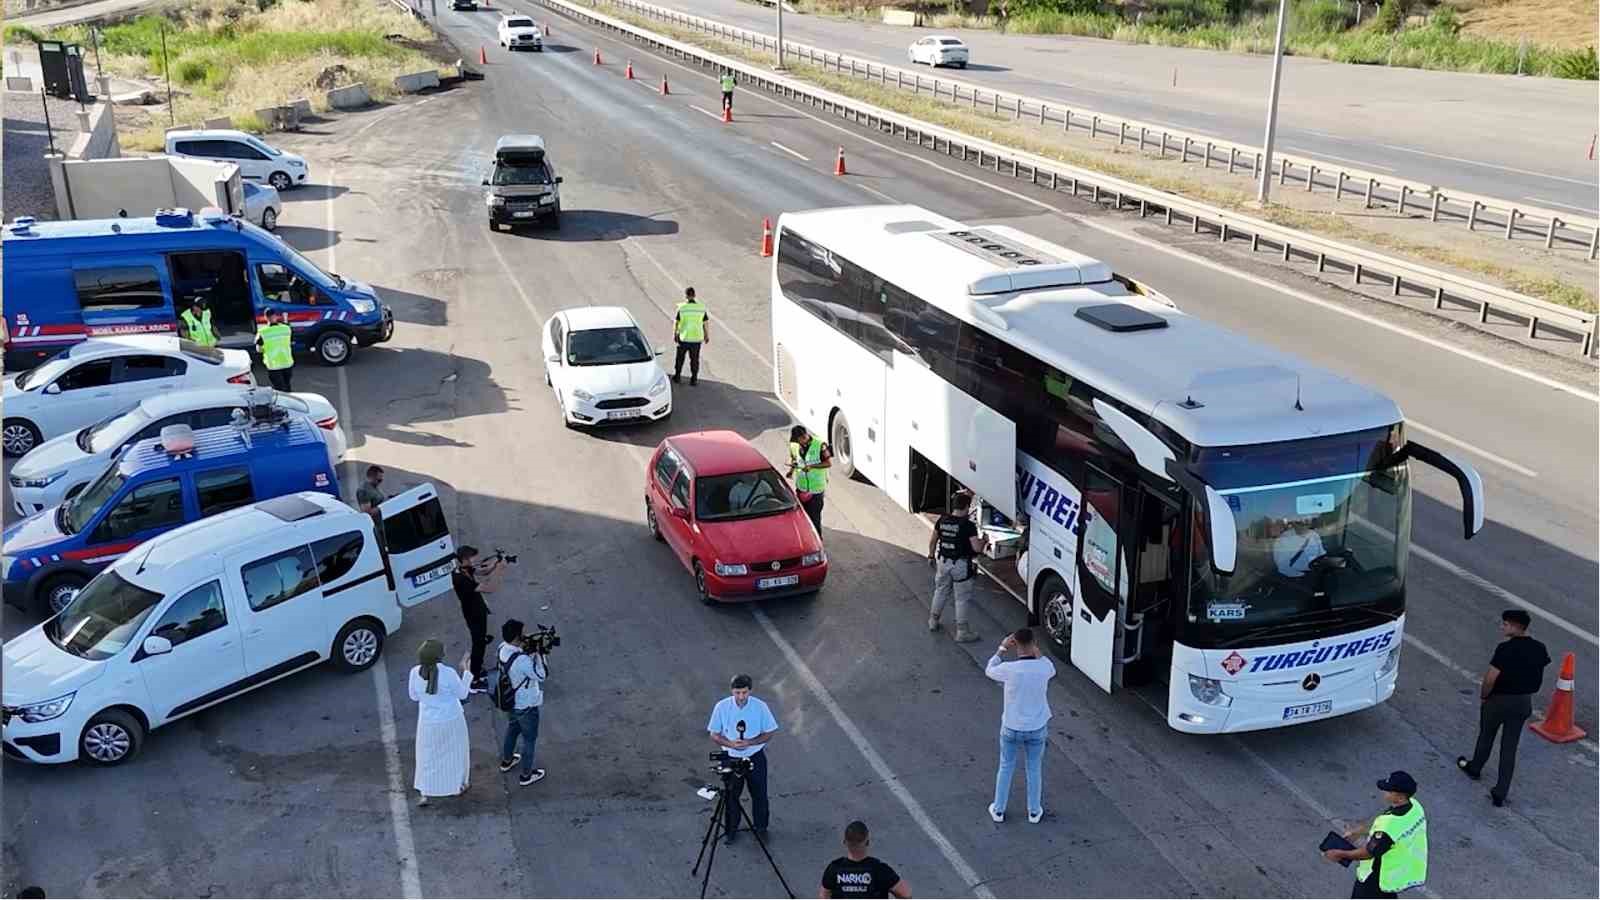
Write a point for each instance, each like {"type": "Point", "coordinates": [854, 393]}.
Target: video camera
{"type": "Point", "coordinates": [540, 640]}
{"type": "Point", "coordinates": [729, 766]}
{"type": "Point", "coordinates": [500, 555]}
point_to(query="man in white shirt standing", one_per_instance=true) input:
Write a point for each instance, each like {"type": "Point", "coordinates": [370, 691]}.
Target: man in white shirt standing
{"type": "Point", "coordinates": [742, 724]}
{"type": "Point", "coordinates": [526, 672]}
{"type": "Point", "coordinates": [1024, 719]}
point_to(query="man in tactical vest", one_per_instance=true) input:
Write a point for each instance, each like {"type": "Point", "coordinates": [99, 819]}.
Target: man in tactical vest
{"type": "Point", "coordinates": [952, 549]}
{"type": "Point", "coordinates": [690, 331]}
{"type": "Point", "coordinates": [275, 342]}
{"type": "Point", "coordinates": [1395, 856]}
{"type": "Point", "coordinates": [196, 322]}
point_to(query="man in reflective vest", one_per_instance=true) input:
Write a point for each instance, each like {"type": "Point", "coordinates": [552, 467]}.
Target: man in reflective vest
{"type": "Point", "coordinates": [690, 331]}
{"type": "Point", "coordinates": [809, 461]}
{"type": "Point", "coordinates": [197, 324]}
{"type": "Point", "coordinates": [727, 89]}
{"type": "Point", "coordinates": [1395, 856]}
{"type": "Point", "coordinates": [274, 341]}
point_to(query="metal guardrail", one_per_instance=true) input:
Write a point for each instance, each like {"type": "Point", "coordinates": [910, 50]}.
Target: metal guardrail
{"type": "Point", "coordinates": [1362, 266]}
{"type": "Point", "coordinates": [1440, 204]}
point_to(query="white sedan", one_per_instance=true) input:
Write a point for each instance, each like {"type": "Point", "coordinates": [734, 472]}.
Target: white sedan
{"type": "Point", "coordinates": [261, 205]}
{"type": "Point", "coordinates": [60, 467]}
{"type": "Point", "coordinates": [101, 377]}
{"type": "Point", "coordinates": [939, 50]}
{"type": "Point", "coordinates": [602, 368]}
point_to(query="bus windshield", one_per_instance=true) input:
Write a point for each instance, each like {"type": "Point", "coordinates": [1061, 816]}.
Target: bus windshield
{"type": "Point", "coordinates": [1322, 532]}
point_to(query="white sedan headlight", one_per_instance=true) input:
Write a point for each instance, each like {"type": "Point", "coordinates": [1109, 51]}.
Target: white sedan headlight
{"type": "Point", "coordinates": [660, 387]}
{"type": "Point", "coordinates": [582, 394]}
{"type": "Point", "coordinates": [44, 712]}
{"type": "Point", "coordinates": [40, 481]}
{"type": "Point", "coordinates": [732, 569]}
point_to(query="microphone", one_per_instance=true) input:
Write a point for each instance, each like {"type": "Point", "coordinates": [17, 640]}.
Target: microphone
{"type": "Point", "coordinates": [740, 726]}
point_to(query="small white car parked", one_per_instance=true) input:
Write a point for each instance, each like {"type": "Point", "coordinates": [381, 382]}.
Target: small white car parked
{"type": "Point", "coordinates": [939, 50]}
{"type": "Point", "coordinates": [519, 32]}
{"type": "Point", "coordinates": [257, 160]}
{"type": "Point", "coordinates": [262, 205]}
{"type": "Point", "coordinates": [102, 377]}
{"type": "Point", "coordinates": [603, 369]}
{"type": "Point", "coordinates": [60, 467]}
{"type": "Point", "coordinates": [214, 609]}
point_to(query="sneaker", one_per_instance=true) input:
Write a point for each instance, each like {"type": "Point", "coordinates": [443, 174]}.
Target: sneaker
{"type": "Point", "coordinates": [1033, 818]}
{"type": "Point", "coordinates": [963, 636]}
{"type": "Point", "coordinates": [531, 777]}
{"type": "Point", "coordinates": [479, 684]}
{"type": "Point", "coordinates": [1497, 799]}
{"type": "Point", "coordinates": [933, 623]}
{"type": "Point", "coordinates": [422, 799]}
{"type": "Point", "coordinates": [507, 765]}
{"type": "Point", "coordinates": [1465, 765]}
{"type": "Point", "coordinates": [997, 816]}
{"type": "Point", "coordinates": [693, 381]}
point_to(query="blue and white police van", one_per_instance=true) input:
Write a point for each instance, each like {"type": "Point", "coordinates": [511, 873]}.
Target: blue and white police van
{"type": "Point", "coordinates": [68, 281]}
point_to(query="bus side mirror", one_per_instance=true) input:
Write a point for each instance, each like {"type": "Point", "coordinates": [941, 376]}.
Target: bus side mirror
{"type": "Point", "coordinates": [1467, 478]}
{"type": "Point", "coordinates": [1224, 532]}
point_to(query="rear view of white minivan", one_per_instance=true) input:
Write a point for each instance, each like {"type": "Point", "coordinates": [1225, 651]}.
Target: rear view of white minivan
{"type": "Point", "coordinates": [257, 160]}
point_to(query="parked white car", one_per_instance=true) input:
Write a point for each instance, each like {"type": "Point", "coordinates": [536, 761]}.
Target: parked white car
{"type": "Point", "coordinates": [262, 204]}
{"type": "Point", "coordinates": [214, 609]}
{"type": "Point", "coordinates": [60, 467]}
{"type": "Point", "coordinates": [102, 377]}
{"type": "Point", "coordinates": [519, 33]}
{"type": "Point", "coordinates": [257, 160]}
{"type": "Point", "coordinates": [939, 50]}
{"type": "Point", "coordinates": [603, 369]}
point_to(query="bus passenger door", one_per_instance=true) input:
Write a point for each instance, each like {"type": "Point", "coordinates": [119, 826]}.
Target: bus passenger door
{"type": "Point", "coordinates": [1102, 594]}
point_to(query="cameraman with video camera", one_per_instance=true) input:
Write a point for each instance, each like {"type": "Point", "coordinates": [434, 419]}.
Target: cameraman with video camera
{"type": "Point", "coordinates": [742, 724]}
{"type": "Point", "coordinates": [522, 668]}
{"type": "Point", "coordinates": [471, 580]}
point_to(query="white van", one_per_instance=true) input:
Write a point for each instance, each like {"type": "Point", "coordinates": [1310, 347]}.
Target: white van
{"type": "Point", "coordinates": [257, 160]}
{"type": "Point", "coordinates": [216, 608]}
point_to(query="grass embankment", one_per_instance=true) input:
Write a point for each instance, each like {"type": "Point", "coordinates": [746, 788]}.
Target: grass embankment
{"type": "Point", "coordinates": [1435, 37]}
{"type": "Point", "coordinates": [1150, 171]}
{"type": "Point", "coordinates": [232, 57]}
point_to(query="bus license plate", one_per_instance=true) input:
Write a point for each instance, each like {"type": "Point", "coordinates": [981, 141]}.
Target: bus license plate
{"type": "Point", "coordinates": [433, 574]}
{"type": "Point", "coordinates": [780, 581]}
{"type": "Point", "coordinates": [1307, 710]}
{"type": "Point", "coordinates": [624, 414]}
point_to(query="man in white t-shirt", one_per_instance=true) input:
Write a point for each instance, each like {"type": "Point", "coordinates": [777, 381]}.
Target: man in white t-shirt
{"type": "Point", "coordinates": [1024, 719]}
{"type": "Point", "coordinates": [526, 672]}
{"type": "Point", "coordinates": [1296, 549]}
{"type": "Point", "coordinates": [742, 724]}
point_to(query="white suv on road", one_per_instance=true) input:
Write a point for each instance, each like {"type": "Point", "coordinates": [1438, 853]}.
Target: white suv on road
{"type": "Point", "coordinates": [519, 32]}
{"type": "Point", "coordinates": [216, 608]}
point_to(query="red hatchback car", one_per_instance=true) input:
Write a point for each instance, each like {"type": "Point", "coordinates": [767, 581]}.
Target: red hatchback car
{"type": "Point", "coordinates": [731, 518]}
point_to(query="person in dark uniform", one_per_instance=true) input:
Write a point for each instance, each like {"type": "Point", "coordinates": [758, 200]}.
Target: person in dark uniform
{"type": "Point", "coordinates": [858, 875]}
{"type": "Point", "coordinates": [951, 549]}
{"type": "Point", "coordinates": [469, 581]}
{"type": "Point", "coordinates": [1505, 697]}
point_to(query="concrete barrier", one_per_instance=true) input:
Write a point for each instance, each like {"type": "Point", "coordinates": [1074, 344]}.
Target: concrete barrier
{"type": "Point", "coordinates": [220, 122]}
{"type": "Point", "coordinates": [303, 104]}
{"type": "Point", "coordinates": [417, 81]}
{"type": "Point", "coordinates": [900, 17]}
{"type": "Point", "coordinates": [353, 96]}
{"type": "Point", "coordinates": [25, 85]}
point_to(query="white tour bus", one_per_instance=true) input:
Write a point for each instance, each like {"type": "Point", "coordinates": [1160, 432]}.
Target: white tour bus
{"type": "Point", "coordinates": [1188, 504]}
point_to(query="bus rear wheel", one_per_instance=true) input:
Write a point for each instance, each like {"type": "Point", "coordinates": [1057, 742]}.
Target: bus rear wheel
{"type": "Point", "coordinates": [844, 461]}
{"type": "Point", "coordinates": [1055, 610]}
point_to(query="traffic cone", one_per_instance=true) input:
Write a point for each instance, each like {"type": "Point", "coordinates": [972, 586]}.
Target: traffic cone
{"type": "Point", "coordinates": [483, 57]}
{"type": "Point", "coordinates": [727, 114]}
{"type": "Point", "coordinates": [664, 90]}
{"type": "Point", "coordinates": [597, 57]}
{"type": "Point", "coordinates": [1557, 723]}
{"type": "Point", "coordinates": [766, 237]}
{"type": "Point", "coordinates": [628, 72]}
{"type": "Point", "coordinates": [838, 165]}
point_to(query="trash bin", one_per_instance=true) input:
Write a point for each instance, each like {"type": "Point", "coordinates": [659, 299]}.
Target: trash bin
{"type": "Point", "coordinates": [61, 64]}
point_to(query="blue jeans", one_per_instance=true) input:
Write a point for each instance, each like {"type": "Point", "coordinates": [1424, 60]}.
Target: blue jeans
{"type": "Point", "coordinates": [1031, 743]}
{"type": "Point", "coordinates": [523, 722]}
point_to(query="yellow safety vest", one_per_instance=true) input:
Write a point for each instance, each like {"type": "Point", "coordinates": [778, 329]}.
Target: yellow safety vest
{"type": "Point", "coordinates": [691, 322]}
{"type": "Point", "coordinates": [199, 329]}
{"type": "Point", "coordinates": [727, 84]}
{"type": "Point", "coordinates": [1405, 865]}
{"type": "Point", "coordinates": [812, 481]}
{"type": "Point", "coordinates": [277, 348]}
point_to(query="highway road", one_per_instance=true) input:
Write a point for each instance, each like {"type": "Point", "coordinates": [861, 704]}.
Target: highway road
{"type": "Point", "coordinates": [1517, 139]}
{"type": "Point", "coordinates": [288, 791]}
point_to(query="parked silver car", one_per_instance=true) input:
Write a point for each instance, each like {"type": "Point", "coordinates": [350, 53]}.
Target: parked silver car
{"type": "Point", "coordinates": [261, 205]}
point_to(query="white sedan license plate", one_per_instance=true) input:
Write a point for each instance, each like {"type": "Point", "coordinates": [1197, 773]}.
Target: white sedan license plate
{"type": "Point", "coordinates": [433, 574]}
{"type": "Point", "coordinates": [780, 581]}
{"type": "Point", "coordinates": [522, 214]}
{"type": "Point", "coordinates": [1307, 710]}
{"type": "Point", "coordinates": [624, 414]}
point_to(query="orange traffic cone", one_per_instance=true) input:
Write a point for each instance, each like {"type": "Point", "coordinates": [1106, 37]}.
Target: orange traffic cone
{"type": "Point", "coordinates": [727, 114]}
{"type": "Point", "coordinates": [1557, 723]}
{"type": "Point", "coordinates": [664, 90]}
{"type": "Point", "coordinates": [628, 72]}
{"type": "Point", "coordinates": [838, 165]}
{"type": "Point", "coordinates": [766, 237]}
{"type": "Point", "coordinates": [483, 57]}
{"type": "Point", "coordinates": [597, 57]}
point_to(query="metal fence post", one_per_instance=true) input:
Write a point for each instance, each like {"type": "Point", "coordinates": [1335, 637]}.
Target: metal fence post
{"type": "Point", "coordinates": [1511, 222]}
{"type": "Point", "coordinates": [997, 103]}
{"type": "Point", "coordinates": [1042, 108]}
{"type": "Point", "coordinates": [1207, 161]}
{"type": "Point", "coordinates": [1472, 215]}
{"type": "Point", "coordinates": [1122, 133]}
{"type": "Point", "coordinates": [1186, 141]}
{"type": "Point", "coordinates": [1367, 202]}
{"type": "Point", "coordinates": [1142, 131]}
{"type": "Point", "coordinates": [1311, 179]}
{"type": "Point", "coordinates": [1066, 121]}
{"type": "Point", "coordinates": [1405, 190]}
{"type": "Point", "coordinates": [1094, 127]}
{"type": "Point", "coordinates": [1283, 172]}
{"type": "Point", "coordinates": [1338, 186]}
{"type": "Point", "coordinates": [1433, 216]}
{"type": "Point", "coordinates": [1163, 145]}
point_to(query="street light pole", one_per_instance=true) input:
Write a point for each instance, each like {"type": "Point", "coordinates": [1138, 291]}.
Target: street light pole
{"type": "Point", "coordinates": [778, 5]}
{"type": "Point", "coordinates": [1272, 105]}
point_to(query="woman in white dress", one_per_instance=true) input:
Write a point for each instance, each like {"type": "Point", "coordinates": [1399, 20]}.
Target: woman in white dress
{"type": "Point", "coordinates": [443, 763]}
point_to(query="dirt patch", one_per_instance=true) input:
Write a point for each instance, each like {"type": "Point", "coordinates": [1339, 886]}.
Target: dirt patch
{"type": "Point", "coordinates": [1560, 23]}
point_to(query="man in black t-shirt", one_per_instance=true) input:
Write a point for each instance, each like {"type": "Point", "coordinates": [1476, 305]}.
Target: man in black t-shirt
{"type": "Point", "coordinates": [858, 875]}
{"type": "Point", "coordinates": [469, 590]}
{"type": "Point", "coordinates": [951, 548]}
{"type": "Point", "coordinates": [1515, 674]}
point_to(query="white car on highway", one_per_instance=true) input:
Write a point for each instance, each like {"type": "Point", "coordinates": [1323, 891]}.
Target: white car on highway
{"type": "Point", "coordinates": [261, 205]}
{"type": "Point", "coordinates": [519, 32]}
{"type": "Point", "coordinates": [60, 467]}
{"type": "Point", "coordinates": [603, 369]}
{"type": "Point", "coordinates": [101, 377]}
{"type": "Point", "coordinates": [939, 50]}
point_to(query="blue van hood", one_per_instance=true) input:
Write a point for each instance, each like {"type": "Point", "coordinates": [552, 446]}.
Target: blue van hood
{"type": "Point", "coordinates": [28, 535]}
{"type": "Point", "coordinates": [354, 288]}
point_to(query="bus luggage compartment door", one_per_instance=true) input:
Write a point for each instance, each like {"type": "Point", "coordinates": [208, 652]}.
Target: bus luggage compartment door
{"type": "Point", "coordinates": [960, 435]}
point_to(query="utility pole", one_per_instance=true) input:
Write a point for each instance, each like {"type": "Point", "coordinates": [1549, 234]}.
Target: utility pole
{"type": "Point", "coordinates": [172, 116]}
{"type": "Point", "coordinates": [1272, 105]}
{"type": "Point", "coordinates": [778, 5]}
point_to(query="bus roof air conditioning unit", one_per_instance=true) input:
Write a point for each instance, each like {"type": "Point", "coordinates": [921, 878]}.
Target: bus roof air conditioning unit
{"type": "Point", "coordinates": [913, 226]}
{"type": "Point", "coordinates": [1022, 266]}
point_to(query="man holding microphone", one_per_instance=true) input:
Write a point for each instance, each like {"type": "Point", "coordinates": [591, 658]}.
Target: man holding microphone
{"type": "Point", "coordinates": [742, 724]}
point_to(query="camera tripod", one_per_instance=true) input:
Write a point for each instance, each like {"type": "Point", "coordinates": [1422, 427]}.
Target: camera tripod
{"type": "Point", "coordinates": [716, 828]}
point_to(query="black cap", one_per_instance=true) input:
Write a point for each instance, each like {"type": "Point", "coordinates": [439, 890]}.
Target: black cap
{"type": "Point", "coordinates": [1401, 782]}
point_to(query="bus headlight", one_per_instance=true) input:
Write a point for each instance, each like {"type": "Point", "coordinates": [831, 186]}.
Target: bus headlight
{"type": "Point", "coordinates": [1390, 663]}
{"type": "Point", "coordinates": [1208, 691]}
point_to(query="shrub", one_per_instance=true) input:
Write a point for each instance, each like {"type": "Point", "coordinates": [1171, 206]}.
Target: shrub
{"type": "Point", "coordinates": [1445, 21]}
{"type": "Point", "coordinates": [1318, 17]}
{"type": "Point", "coordinates": [1582, 64]}
{"type": "Point", "coordinates": [1391, 16]}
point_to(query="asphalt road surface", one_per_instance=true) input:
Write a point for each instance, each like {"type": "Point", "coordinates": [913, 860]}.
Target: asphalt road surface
{"type": "Point", "coordinates": [1516, 139]}
{"type": "Point", "coordinates": [289, 790]}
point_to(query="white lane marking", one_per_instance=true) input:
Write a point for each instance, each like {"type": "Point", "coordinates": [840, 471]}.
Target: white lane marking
{"type": "Point", "coordinates": [795, 154]}
{"type": "Point", "coordinates": [964, 870]}
{"type": "Point", "coordinates": [706, 112]}
{"type": "Point", "coordinates": [875, 192]}
{"type": "Point", "coordinates": [679, 285]}
{"type": "Point", "coordinates": [1587, 212]}
{"type": "Point", "coordinates": [1504, 595]}
{"type": "Point", "coordinates": [505, 267]}
{"type": "Point", "coordinates": [405, 842]}
{"type": "Point", "coordinates": [645, 85]}
{"type": "Point", "coordinates": [1474, 162]}
{"type": "Point", "coordinates": [1494, 458]}
{"type": "Point", "coordinates": [1360, 162]}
